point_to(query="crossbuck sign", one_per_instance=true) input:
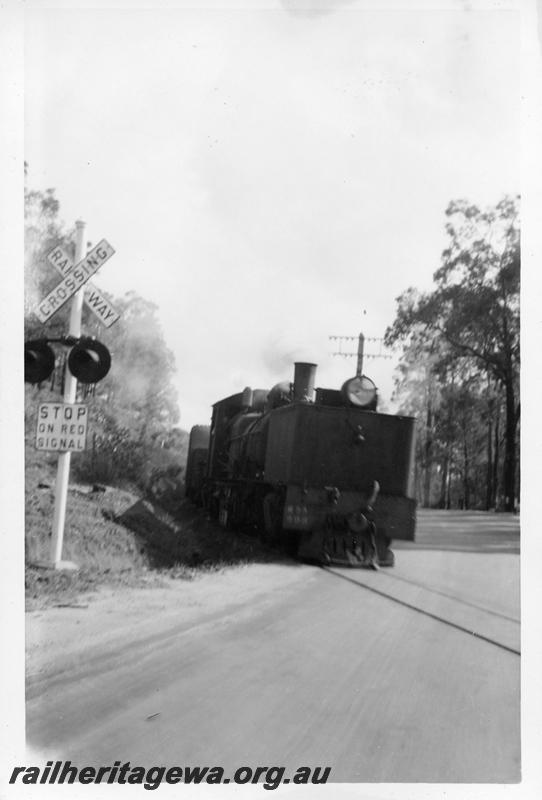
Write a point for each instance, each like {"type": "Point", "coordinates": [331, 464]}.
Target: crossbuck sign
{"type": "Point", "coordinates": [75, 277]}
{"type": "Point", "coordinates": [95, 301]}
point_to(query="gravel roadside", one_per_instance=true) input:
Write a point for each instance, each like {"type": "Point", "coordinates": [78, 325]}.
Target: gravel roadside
{"type": "Point", "coordinates": [61, 638]}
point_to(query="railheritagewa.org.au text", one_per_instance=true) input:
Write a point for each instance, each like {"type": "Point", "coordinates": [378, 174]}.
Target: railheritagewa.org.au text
{"type": "Point", "coordinates": [60, 772]}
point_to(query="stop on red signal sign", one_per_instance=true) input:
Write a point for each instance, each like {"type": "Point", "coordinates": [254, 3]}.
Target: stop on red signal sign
{"type": "Point", "coordinates": [62, 426]}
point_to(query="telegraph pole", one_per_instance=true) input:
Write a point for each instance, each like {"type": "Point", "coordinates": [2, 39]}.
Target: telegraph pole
{"type": "Point", "coordinates": [360, 354]}
{"type": "Point", "coordinates": [359, 365]}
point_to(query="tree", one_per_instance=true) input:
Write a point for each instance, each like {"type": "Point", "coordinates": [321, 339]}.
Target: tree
{"type": "Point", "coordinates": [43, 229]}
{"type": "Point", "coordinates": [134, 408]}
{"type": "Point", "coordinates": [417, 388]}
{"type": "Point", "coordinates": [140, 388]}
{"type": "Point", "coordinates": [472, 316]}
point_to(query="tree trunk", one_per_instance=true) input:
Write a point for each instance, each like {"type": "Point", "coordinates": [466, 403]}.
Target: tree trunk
{"type": "Point", "coordinates": [428, 456]}
{"type": "Point", "coordinates": [444, 482]}
{"type": "Point", "coordinates": [466, 488]}
{"type": "Point", "coordinates": [489, 472]}
{"type": "Point", "coordinates": [496, 456]}
{"type": "Point", "coordinates": [509, 472]}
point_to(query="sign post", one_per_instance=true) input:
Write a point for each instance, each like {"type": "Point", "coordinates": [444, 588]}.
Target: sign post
{"type": "Point", "coordinates": [63, 426]}
{"type": "Point", "coordinates": [70, 389]}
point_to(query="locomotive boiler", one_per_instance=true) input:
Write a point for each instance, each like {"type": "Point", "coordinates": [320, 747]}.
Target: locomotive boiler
{"type": "Point", "coordinates": [319, 470]}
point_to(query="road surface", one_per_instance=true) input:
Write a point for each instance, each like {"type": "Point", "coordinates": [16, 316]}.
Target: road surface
{"type": "Point", "coordinates": [403, 675]}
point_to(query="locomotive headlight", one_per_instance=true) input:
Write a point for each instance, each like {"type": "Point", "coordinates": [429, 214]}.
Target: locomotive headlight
{"type": "Point", "coordinates": [360, 391]}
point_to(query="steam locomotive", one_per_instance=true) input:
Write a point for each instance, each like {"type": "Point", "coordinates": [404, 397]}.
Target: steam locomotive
{"type": "Point", "coordinates": [318, 470]}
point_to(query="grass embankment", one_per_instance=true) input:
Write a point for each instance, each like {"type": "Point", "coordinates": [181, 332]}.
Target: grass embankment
{"type": "Point", "coordinates": [116, 537]}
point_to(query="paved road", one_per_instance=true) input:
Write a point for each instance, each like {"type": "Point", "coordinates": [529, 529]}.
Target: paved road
{"type": "Point", "coordinates": [377, 675]}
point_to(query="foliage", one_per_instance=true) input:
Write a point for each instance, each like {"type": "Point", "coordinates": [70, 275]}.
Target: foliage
{"type": "Point", "coordinates": [133, 411]}
{"type": "Point", "coordinates": [462, 356]}
{"type": "Point", "coordinates": [43, 230]}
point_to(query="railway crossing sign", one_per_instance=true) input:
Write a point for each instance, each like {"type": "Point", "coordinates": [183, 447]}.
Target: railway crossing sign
{"type": "Point", "coordinates": [74, 280]}
{"type": "Point", "coordinates": [62, 427]}
{"type": "Point", "coordinates": [96, 302]}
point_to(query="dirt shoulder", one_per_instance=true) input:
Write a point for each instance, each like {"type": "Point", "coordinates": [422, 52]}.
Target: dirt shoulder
{"type": "Point", "coordinates": [143, 573]}
{"type": "Point", "coordinates": [59, 639]}
{"type": "Point", "coordinates": [120, 539]}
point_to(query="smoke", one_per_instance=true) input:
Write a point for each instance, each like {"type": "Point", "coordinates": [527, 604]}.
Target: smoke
{"type": "Point", "coordinates": [301, 339]}
{"type": "Point", "coordinates": [143, 366]}
{"type": "Point", "coordinates": [277, 361]}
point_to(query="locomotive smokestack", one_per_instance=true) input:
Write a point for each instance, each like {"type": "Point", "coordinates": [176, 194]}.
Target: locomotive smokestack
{"type": "Point", "coordinates": [247, 398]}
{"type": "Point", "coordinates": [304, 377]}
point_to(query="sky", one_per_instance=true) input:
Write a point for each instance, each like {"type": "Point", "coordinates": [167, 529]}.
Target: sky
{"type": "Point", "coordinates": [272, 175]}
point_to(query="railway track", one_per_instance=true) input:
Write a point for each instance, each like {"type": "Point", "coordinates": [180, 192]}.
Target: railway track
{"type": "Point", "coordinates": [472, 618]}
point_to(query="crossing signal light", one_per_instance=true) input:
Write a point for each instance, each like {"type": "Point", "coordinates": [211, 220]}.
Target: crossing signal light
{"type": "Point", "coordinates": [89, 360]}
{"type": "Point", "coordinates": [39, 361]}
